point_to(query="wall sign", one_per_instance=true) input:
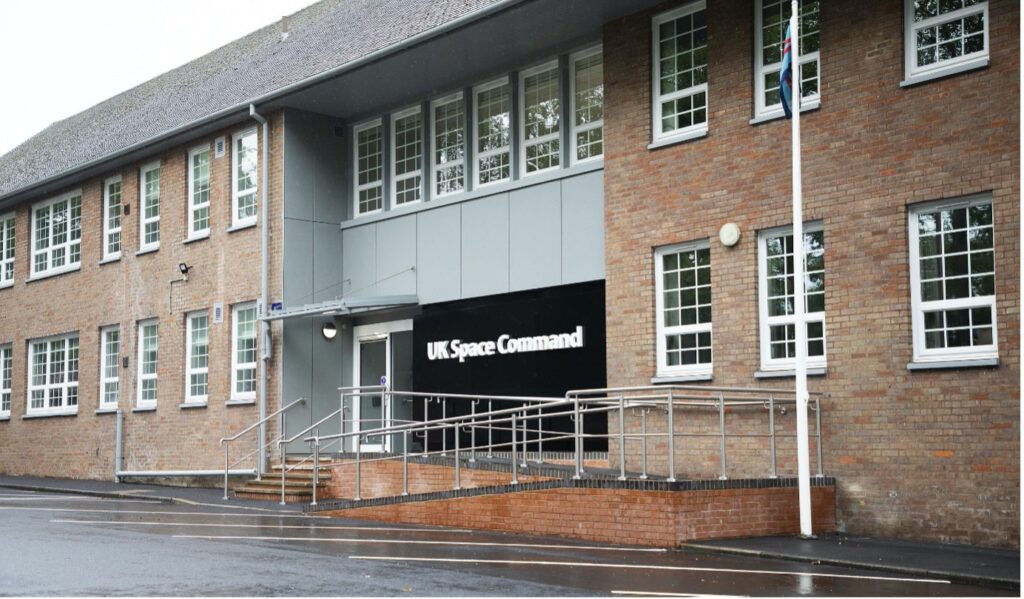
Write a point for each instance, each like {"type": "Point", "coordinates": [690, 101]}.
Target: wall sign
{"type": "Point", "coordinates": [457, 349]}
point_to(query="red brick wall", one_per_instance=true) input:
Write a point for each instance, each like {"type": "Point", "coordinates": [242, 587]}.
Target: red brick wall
{"type": "Point", "coordinates": [629, 517]}
{"type": "Point", "coordinates": [384, 479]}
{"type": "Point", "coordinates": [929, 454]}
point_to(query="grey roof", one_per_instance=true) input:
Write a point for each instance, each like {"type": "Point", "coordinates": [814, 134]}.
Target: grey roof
{"type": "Point", "coordinates": [321, 37]}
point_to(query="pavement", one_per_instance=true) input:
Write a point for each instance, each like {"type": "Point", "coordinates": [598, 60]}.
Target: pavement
{"type": "Point", "coordinates": [262, 548]}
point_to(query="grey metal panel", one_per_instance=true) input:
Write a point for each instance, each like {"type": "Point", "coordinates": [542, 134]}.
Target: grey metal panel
{"type": "Point", "coordinates": [298, 263]}
{"type": "Point", "coordinates": [328, 363]}
{"type": "Point", "coordinates": [299, 166]}
{"type": "Point", "coordinates": [583, 228]}
{"type": "Point", "coordinates": [396, 256]}
{"type": "Point", "coordinates": [485, 246]}
{"type": "Point", "coordinates": [359, 261]}
{"type": "Point", "coordinates": [535, 230]}
{"type": "Point", "coordinates": [326, 263]}
{"type": "Point", "coordinates": [330, 182]}
{"type": "Point", "coordinates": [296, 357]}
{"type": "Point", "coordinates": [438, 255]}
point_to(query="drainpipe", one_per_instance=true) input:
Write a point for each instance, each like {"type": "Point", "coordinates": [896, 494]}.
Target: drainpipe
{"type": "Point", "coordinates": [261, 463]}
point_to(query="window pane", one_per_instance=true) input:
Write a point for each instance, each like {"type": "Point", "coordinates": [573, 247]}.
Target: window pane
{"type": "Point", "coordinates": [492, 131]}
{"type": "Point", "coordinates": [449, 146]}
{"type": "Point", "coordinates": [369, 169]}
{"type": "Point", "coordinates": [682, 66]}
{"type": "Point", "coordinates": [589, 106]}
{"type": "Point", "coordinates": [541, 116]}
{"type": "Point", "coordinates": [408, 155]}
{"type": "Point", "coordinates": [245, 177]}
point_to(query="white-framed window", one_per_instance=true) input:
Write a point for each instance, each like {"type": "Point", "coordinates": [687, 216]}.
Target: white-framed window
{"type": "Point", "coordinates": [199, 192]}
{"type": "Point", "coordinates": [6, 373]}
{"type": "Point", "coordinates": [540, 105]}
{"type": "Point", "coordinates": [680, 73]}
{"type": "Point", "coordinates": [110, 378]}
{"type": "Point", "coordinates": [53, 375]}
{"type": "Point", "coordinates": [587, 96]}
{"type": "Point", "coordinates": [683, 309]}
{"type": "Point", "coordinates": [775, 297]}
{"type": "Point", "coordinates": [197, 357]}
{"type": "Point", "coordinates": [952, 280]}
{"type": "Point", "coordinates": [771, 19]}
{"type": "Point", "coordinates": [369, 167]}
{"type": "Point", "coordinates": [7, 230]}
{"type": "Point", "coordinates": [148, 361]}
{"type": "Point", "coordinates": [407, 156]}
{"type": "Point", "coordinates": [448, 138]}
{"type": "Point", "coordinates": [243, 352]}
{"type": "Point", "coordinates": [492, 124]}
{"type": "Point", "coordinates": [243, 177]}
{"type": "Point", "coordinates": [112, 218]}
{"type": "Point", "coordinates": [945, 36]}
{"type": "Point", "coordinates": [149, 213]}
{"type": "Point", "coordinates": [57, 234]}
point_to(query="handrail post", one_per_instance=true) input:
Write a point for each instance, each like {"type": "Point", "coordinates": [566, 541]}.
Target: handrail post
{"type": "Point", "coordinates": [721, 435]}
{"type": "Point", "coordinates": [540, 433]}
{"type": "Point", "coordinates": [771, 431]}
{"type": "Point", "coordinates": [259, 453]}
{"type": "Point", "coordinates": [226, 466]}
{"type": "Point", "coordinates": [284, 427]}
{"type": "Point", "coordinates": [622, 437]}
{"type": "Point", "coordinates": [405, 462]}
{"type": "Point", "coordinates": [526, 446]}
{"type": "Point", "coordinates": [576, 437]}
{"type": "Point", "coordinates": [458, 481]}
{"type": "Point", "coordinates": [426, 427]}
{"type": "Point", "coordinates": [316, 464]}
{"type": "Point", "coordinates": [671, 408]}
{"type": "Point", "coordinates": [643, 442]}
{"type": "Point", "coordinates": [284, 465]}
{"type": "Point", "coordinates": [444, 431]}
{"type": "Point", "coordinates": [359, 457]}
{"type": "Point", "coordinates": [490, 430]}
{"type": "Point", "coordinates": [472, 431]}
{"type": "Point", "coordinates": [817, 430]}
{"type": "Point", "coordinates": [515, 461]}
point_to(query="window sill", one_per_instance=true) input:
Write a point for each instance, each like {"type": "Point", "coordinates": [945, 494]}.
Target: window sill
{"type": "Point", "coordinates": [5, 418]}
{"type": "Point", "coordinates": [106, 411]}
{"type": "Point", "coordinates": [240, 402]}
{"type": "Point", "coordinates": [191, 405]}
{"type": "Point", "coordinates": [109, 260]}
{"type": "Point", "coordinates": [790, 373]}
{"type": "Point", "coordinates": [955, 69]}
{"type": "Point", "coordinates": [55, 273]}
{"type": "Point", "coordinates": [947, 364]}
{"type": "Point", "coordinates": [196, 238]}
{"type": "Point", "coordinates": [64, 413]}
{"type": "Point", "coordinates": [7, 285]}
{"type": "Point", "coordinates": [678, 139]}
{"type": "Point", "coordinates": [681, 378]}
{"type": "Point", "coordinates": [241, 227]}
{"type": "Point", "coordinates": [146, 409]}
{"type": "Point", "coordinates": [149, 250]}
{"type": "Point", "coordinates": [775, 115]}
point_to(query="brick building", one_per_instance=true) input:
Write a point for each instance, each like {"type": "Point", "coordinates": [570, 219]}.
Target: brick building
{"type": "Point", "coordinates": [569, 176]}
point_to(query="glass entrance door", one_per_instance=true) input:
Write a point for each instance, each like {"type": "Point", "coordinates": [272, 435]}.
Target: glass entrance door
{"type": "Point", "coordinates": [382, 352]}
{"type": "Point", "coordinates": [373, 366]}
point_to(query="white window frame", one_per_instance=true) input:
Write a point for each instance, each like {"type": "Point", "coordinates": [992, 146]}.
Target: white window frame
{"type": "Point", "coordinates": [918, 307]}
{"type": "Point", "coordinates": [140, 376]}
{"type": "Point", "coordinates": [507, 149]}
{"type": "Point", "coordinates": [192, 207]}
{"type": "Point", "coordinates": [66, 386]}
{"type": "Point", "coordinates": [236, 193]}
{"type": "Point", "coordinates": [109, 231]}
{"type": "Point", "coordinates": [356, 187]}
{"type": "Point", "coordinates": [657, 97]}
{"type": "Point", "coordinates": [6, 379]}
{"type": "Point", "coordinates": [916, 74]}
{"type": "Point", "coordinates": [143, 220]}
{"type": "Point", "coordinates": [575, 129]}
{"type": "Point", "coordinates": [435, 166]}
{"type": "Point", "coordinates": [393, 153]}
{"type": "Point", "coordinates": [521, 126]}
{"type": "Point", "coordinates": [8, 223]}
{"type": "Point", "coordinates": [236, 366]}
{"type": "Point", "coordinates": [189, 370]}
{"type": "Point", "coordinates": [761, 111]}
{"type": "Point", "coordinates": [68, 242]}
{"type": "Point", "coordinates": [104, 354]}
{"type": "Point", "coordinates": [694, 371]}
{"type": "Point", "coordinates": [766, 322]}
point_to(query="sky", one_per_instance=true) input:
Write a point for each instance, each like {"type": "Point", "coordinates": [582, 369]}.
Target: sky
{"type": "Point", "coordinates": [59, 57]}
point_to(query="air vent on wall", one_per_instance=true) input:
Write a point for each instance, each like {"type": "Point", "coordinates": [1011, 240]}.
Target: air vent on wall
{"type": "Point", "coordinates": [218, 147]}
{"type": "Point", "coordinates": [218, 313]}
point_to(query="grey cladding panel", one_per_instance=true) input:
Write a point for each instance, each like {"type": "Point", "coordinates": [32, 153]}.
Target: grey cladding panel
{"type": "Point", "coordinates": [297, 355]}
{"type": "Point", "coordinates": [535, 246]}
{"type": "Point", "coordinates": [298, 263]}
{"type": "Point", "coordinates": [583, 228]}
{"type": "Point", "coordinates": [327, 260]}
{"type": "Point", "coordinates": [396, 256]}
{"type": "Point", "coordinates": [485, 246]}
{"type": "Point", "coordinates": [438, 249]}
{"type": "Point", "coordinates": [299, 166]}
{"type": "Point", "coordinates": [359, 261]}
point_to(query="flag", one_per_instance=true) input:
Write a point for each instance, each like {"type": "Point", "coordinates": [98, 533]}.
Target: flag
{"type": "Point", "coordinates": [786, 74]}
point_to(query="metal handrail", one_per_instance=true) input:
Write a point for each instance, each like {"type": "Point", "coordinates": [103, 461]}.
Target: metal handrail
{"type": "Point", "coordinates": [260, 445]}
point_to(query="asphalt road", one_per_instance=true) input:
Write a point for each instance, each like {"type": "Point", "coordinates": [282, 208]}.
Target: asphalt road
{"type": "Point", "coordinates": [53, 544]}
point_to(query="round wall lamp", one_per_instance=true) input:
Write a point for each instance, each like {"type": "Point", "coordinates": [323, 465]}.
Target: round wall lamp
{"type": "Point", "coordinates": [729, 234]}
{"type": "Point", "coordinates": [329, 331]}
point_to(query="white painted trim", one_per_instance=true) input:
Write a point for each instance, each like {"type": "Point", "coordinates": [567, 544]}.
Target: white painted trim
{"type": "Point", "coordinates": [574, 129]}
{"type": "Point", "coordinates": [45, 410]}
{"type": "Point", "coordinates": [140, 404]}
{"type": "Point", "coordinates": [477, 155]}
{"type": "Point", "coordinates": [195, 400]}
{"type": "Point", "coordinates": [657, 97]}
{"type": "Point", "coordinates": [143, 221]}
{"type": "Point", "coordinates": [393, 155]}
{"type": "Point", "coordinates": [435, 167]}
{"type": "Point", "coordinates": [67, 245]}
{"type": "Point", "coordinates": [107, 229]}
{"type": "Point", "coordinates": [761, 111]}
{"type": "Point", "coordinates": [916, 74]}
{"type": "Point", "coordinates": [4, 218]}
{"type": "Point", "coordinates": [520, 127]}
{"type": "Point", "coordinates": [356, 187]}
{"type": "Point", "coordinates": [6, 348]}
{"type": "Point", "coordinates": [663, 369]}
{"type": "Point", "coordinates": [104, 332]}
{"type": "Point", "coordinates": [234, 396]}
{"type": "Point", "coordinates": [235, 192]}
{"type": "Point", "coordinates": [190, 207]}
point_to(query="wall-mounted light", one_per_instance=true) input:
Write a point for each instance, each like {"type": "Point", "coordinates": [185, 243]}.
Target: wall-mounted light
{"type": "Point", "coordinates": [729, 234]}
{"type": "Point", "coordinates": [329, 331]}
{"type": "Point", "coordinates": [184, 268]}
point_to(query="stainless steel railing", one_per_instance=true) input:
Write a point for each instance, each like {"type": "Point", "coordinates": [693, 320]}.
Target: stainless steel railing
{"type": "Point", "coordinates": [282, 413]}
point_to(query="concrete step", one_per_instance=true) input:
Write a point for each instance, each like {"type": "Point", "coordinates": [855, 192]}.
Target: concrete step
{"type": "Point", "coordinates": [276, 484]}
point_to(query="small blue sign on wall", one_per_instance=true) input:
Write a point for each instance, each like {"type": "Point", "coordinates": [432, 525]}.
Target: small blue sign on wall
{"type": "Point", "coordinates": [383, 380]}
{"type": "Point", "coordinates": [276, 306]}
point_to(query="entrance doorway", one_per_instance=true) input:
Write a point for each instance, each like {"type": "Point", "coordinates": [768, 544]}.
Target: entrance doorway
{"type": "Point", "coordinates": [382, 354]}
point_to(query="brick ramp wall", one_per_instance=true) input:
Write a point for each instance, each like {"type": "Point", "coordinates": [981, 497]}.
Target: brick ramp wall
{"type": "Point", "coordinates": [617, 515]}
{"type": "Point", "coordinates": [384, 479]}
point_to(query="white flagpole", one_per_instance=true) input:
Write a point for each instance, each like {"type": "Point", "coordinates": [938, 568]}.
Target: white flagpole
{"type": "Point", "coordinates": [803, 463]}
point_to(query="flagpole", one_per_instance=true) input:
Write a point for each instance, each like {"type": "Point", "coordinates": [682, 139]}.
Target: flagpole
{"type": "Point", "coordinates": [803, 463]}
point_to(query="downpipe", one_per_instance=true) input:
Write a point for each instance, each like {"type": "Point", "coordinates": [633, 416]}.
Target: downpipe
{"type": "Point", "coordinates": [261, 461]}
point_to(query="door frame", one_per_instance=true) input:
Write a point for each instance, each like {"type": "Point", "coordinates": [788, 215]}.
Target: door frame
{"type": "Point", "coordinates": [374, 332]}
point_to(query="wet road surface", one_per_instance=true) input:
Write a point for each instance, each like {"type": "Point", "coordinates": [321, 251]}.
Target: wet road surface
{"type": "Point", "coordinates": [76, 545]}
